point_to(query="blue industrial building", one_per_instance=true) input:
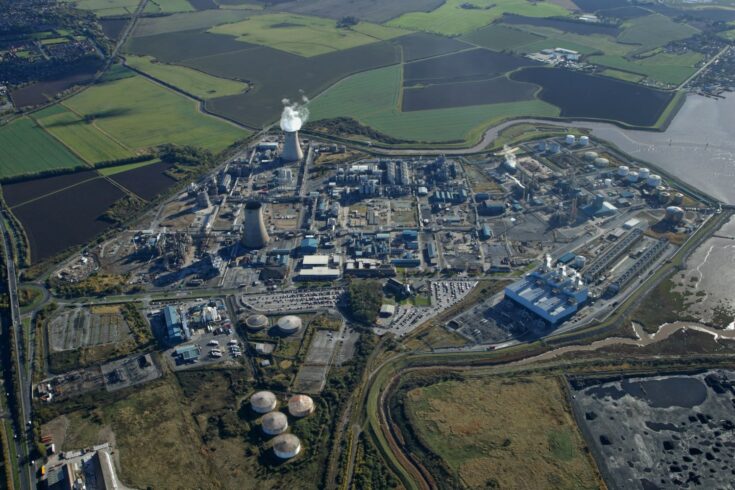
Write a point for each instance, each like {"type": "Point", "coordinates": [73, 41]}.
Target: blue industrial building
{"type": "Point", "coordinates": [308, 246]}
{"type": "Point", "coordinates": [553, 294]}
{"type": "Point", "coordinates": [176, 328]}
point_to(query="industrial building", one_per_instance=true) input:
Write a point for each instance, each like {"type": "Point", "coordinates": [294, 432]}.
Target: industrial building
{"type": "Point", "coordinates": [254, 233]}
{"type": "Point", "coordinates": [553, 294]}
{"type": "Point", "coordinates": [177, 329]}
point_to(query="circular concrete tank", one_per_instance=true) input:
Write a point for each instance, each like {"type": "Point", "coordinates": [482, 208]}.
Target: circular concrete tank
{"type": "Point", "coordinates": [263, 401]}
{"type": "Point", "coordinates": [286, 446]}
{"type": "Point", "coordinates": [289, 324]}
{"type": "Point", "coordinates": [300, 405]}
{"type": "Point", "coordinates": [256, 322]}
{"type": "Point", "coordinates": [274, 423]}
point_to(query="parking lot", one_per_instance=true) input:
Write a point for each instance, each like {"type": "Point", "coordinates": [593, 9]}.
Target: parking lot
{"type": "Point", "coordinates": [444, 294]}
{"type": "Point", "coordinates": [228, 345]}
{"type": "Point", "coordinates": [293, 301]}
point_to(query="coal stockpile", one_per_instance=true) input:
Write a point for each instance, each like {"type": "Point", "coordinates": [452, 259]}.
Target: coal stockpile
{"type": "Point", "coordinates": [67, 218]}
{"type": "Point", "coordinates": [41, 92]}
{"type": "Point", "coordinates": [422, 45]}
{"type": "Point", "coordinates": [20, 192]}
{"type": "Point", "coordinates": [566, 25]}
{"type": "Point", "coordinates": [591, 97]}
{"type": "Point", "coordinates": [113, 27]}
{"type": "Point", "coordinates": [146, 182]}
{"type": "Point", "coordinates": [660, 432]}
{"type": "Point", "coordinates": [461, 94]}
{"type": "Point", "coordinates": [466, 65]}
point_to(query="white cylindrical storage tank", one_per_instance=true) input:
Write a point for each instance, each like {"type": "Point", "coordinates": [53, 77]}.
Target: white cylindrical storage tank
{"type": "Point", "coordinates": [286, 446]}
{"type": "Point", "coordinates": [623, 170]}
{"type": "Point", "coordinates": [674, 214]}
{"type": "Point", "coordinates": [580, 261]}
{"type": "Point", "coordinates": [256, 322]}
{"type": "Point", "coordinates": [654, 180]}
{"type": "Point", "coordinates": [590, 155]}
{"type": "Point", "coordinates": [289, 324]}
{"type": "Point", "coordinates": [570, 139]}
{"type": "Point", "coordinates": [602, 162]}
{"type": "Point", "coordinates": [263, 402]}
{"type": "Point", "coordinates": [274, 423]}
{"type": "Point", "coordinates": [608, 182]}
{"type": "Point", "coordinates": [660, 189]}
{"type": "Point", "coordinates": [664, 197]}
{"type": "Point", "coordinates": [584, 140]}
{"type": "Point", "coordinates": [633, 177]}
{"type": "Point", "coordinates": [678, 198]}
{"type": "Point", "coordinates": [300, 405]}
{"type": "Point", "coordinates": [643, 173]}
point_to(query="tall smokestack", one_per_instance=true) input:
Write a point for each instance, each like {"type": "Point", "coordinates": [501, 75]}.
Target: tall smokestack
{"type": "Point", "coordinates": [292, 147]}
{"type": "Point", "coordinates": [254, 234]}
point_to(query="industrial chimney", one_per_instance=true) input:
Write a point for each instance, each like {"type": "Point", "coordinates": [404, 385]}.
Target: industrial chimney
{"type": "Point", "coordinates": [292, 148]}
{"type": "Point", "coordinates": [254, 234]}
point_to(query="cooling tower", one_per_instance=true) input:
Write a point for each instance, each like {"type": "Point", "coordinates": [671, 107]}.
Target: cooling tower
{"type": "Point", "coordinates": [291, 147]}
{"type": "Point", "coordinates": [254, 234]}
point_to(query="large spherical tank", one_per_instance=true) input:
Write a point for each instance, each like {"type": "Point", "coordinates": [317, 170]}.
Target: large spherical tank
{"type": "Point", "coordinates": [654, 180]}
{"type": "Point", "coordinates": [602, 162]}
{"type": "Point", "coordinates": [623, 170]}
{"type": "Point", "coordinates": [256, 322]}
{"type": "Point", "coordinates": [591, 155]}
{"type": "Point", "coordinates": [274, 423]}
{"type": "Point", "coordinates": [263, 401]}
{"type": "Point", "coordinates": [286, 446]}
{"type": "Point", "coordinates": [289, 324]}
{"type": "Point", "coordinates": [300, 405]}
{"type": "Point", "coordinates": [674, 214]}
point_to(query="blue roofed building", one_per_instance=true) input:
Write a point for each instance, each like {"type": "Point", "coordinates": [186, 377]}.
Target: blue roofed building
{"type": "Point", "coordinates": [410, 235]}
{"type": "Point", "coordinates": [308, 246]}
{"type": "Point", "coordinates": [554, 294]}
{"type": "Point", "coordinates": [177, 329]}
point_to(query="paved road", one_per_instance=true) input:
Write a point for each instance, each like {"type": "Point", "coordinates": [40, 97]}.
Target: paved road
{"type": "Point", "coordinates": [23, 441]}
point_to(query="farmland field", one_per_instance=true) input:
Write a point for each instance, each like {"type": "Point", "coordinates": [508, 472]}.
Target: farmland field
{"type": "Point", "coordinates": [173, 47]}
{"type": "Point", "coordinates": [105, 8]}
{"type": "Point", "coordinates": [377, 107]}
{"type": "Point", "coordinates": [454, 18]}
{"type": "Point", "coordinates": [113, 27]}
{"type": "Point", "coordinates": [378, 11]}
{"type": "Point", "coordinates": [154, 116]}
{"type": "Point", "coordinates": [499, 37]}
{"type": "Point", "coordinates": [108, 171]}
{"type": "Point", "coordinates": [66, 218]}
{"type": "Point", "coordinates": [41, 92]}
{"type": "Point", "coordinates": [588, 96]}
{"type": "Point", "coordinates": [191, 81]}
{"type": "Point", "coordinates": [422, 45]}
{"type": "Point", "coordinates": [655, 30]}
{"type": "Point", "coordinates": [20, 192]}
{"type": "Point", "coordinates": [82, 137]}
{"type": "Point", "coordinates": [187, 21]}
{"type": "Point", "coordinates": [491, 431]}
{"type": "Point", "coordinates": [27, 149]}
{"type": "Point", "coordinates": [146, 181]}
{"type": "Point", "coordinates": [663, 67]}
{"type": "Point", "coordinates": [570, 25]}
{"type": "Point", "coordinates": [466, 65]}
{"type": "Point", "coordinates": [305, 36]}
{"type": "Point", "coordinates": [458, 94]}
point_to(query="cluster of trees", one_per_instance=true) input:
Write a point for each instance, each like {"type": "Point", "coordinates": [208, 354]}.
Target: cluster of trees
{"type": "Point", "coordinates": [346, 126]}
{"type": "Point", "coordinates": [138, 325]}
{"type": "Point", "coordinates": [364, 299]}
{"type": "Point", "coordinates": [347, 21]}
{"type": "Point", "coordinates": [123, 209]}
{"type": "Point", "coordinates": [185, 155]}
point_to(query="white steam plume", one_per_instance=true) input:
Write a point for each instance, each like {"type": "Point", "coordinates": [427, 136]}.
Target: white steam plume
{"type": "Point", "coordinates": [294, 114]}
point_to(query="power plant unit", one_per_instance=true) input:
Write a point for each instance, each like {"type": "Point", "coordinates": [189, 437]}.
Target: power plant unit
{"type": "Point", "coordinates": [254, 234]}
{"type": "Point", "coordinates": [292, 151]}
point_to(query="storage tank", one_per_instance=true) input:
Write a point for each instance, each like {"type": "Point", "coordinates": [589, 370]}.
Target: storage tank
{"type": "Point", "coordinates": [286, 446]}
{"type": "Point", "coordinates": [274, 423]}
{"type": "Point", "coordinates": [570, 139]}
{"type": "Point", "coordinates": [300, 405]}
{"type": "Point", "coordinates": [623, 170]}
{"type": "Point", "coordinates": [607, 182]}
{"type": "Point", "coordinates": [633, 177]}
{"type": "Point", "coordinates": [263, 402]}
{"type": "Point", "coordinates": [590, 155]}
{"type": "Point", "coordinates": [664, 197]}
{"type": "Point", "coordinates": [677, 198]}
{"type": "Point", "coordinates": [674, 214]}
{"type": "Point", "coordinates": [654, 180]}
{"type": "Point", "coordinates": [584, 140]}
{"type": "Point", "coordinates": [256, 322]}
{"type": "Point", "coordinates": [660, 189]}
{"type": "Point", "coordinates": [289, 324]}
{"type": "Point", "coordinates": [602, 162]}
{"type": "Point", "coordinates": [580, 261]}
{"type": "Point", "coordinates": [643, 173]}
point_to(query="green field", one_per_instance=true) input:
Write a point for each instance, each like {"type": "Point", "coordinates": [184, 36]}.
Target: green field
{"type": "Point", "coordinates": [82, 137]}
{"type": "Point", "coordinates": [373, 98]}
{"type": "Point", "coordinates": [663, 67]}
{"type": "Point", "coordinates": [26, 148]}
{"type": "Point", "coordinates": [107, 171]}
{"type": "Point", "coordinates": [108, 7]}
{"type": "Point", "coordinates": [491, 431]}
{"type": "Point", "coordinates": [168, 6]}
{"type": "Point", "coordinates": [191, 81]}
{"type": "Point", "coordinates": [453, 19]}
{"type": "Point", "coordinates": [623, 75]}
{"type": "Point", "coordinates": [655, 30]}
{"type": "Point", "coordinates": [303, 35]}
{"type": "Point", "coordinates": [499, 37]}
{"type": "Point", "coordinates": [141, 114]}
{"type": "Point", "coordinates": [187, 21]}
